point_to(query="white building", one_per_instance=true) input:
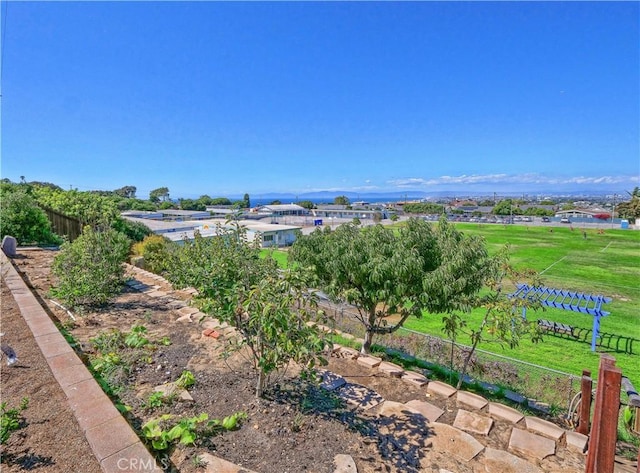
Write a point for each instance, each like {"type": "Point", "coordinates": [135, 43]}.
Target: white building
{"type": "Point", "coordinates": [270, 235]}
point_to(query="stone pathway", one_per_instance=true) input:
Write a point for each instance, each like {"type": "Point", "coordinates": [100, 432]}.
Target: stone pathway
{"type": "Point", "coordinates": [531, 439]}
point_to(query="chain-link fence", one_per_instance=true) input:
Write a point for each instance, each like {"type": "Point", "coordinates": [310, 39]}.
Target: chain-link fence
{"type": "Point", "coordinates": [518, 380]}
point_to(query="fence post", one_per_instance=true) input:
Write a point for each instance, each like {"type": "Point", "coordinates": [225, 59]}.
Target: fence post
{"type": "Point", "coordinates": [604, 430]}
{"type": "Point", "coordinates": [586, 385]}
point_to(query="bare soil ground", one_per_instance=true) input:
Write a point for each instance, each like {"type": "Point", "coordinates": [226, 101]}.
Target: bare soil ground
{"type": "Point", "coordinates": [50, 439]}
{"type": "Point", "coordinates": [296, 428]}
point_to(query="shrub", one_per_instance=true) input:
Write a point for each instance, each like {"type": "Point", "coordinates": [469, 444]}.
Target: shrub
{"type": "Point", "coordinates": [21, 218]}
{"type": "Point", "coordinates": [90, 270]}
{"type": "Point", "coordinates": [155, 251]}
{"type": "Point", "coordinates": [135, 231]}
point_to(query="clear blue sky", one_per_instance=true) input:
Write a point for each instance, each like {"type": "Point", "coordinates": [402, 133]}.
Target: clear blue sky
{"type": "Point", "coordinates": [222, 98]}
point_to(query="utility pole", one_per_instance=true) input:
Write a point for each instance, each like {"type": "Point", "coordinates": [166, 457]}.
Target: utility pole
{"type": "Point", "coordinates": [613, 210]}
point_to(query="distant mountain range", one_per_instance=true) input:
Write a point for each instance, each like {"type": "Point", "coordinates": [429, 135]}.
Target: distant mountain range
{"type": "Point", "coordinates": [329, 196]}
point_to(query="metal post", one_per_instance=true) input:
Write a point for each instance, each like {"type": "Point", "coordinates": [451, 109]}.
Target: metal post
{"type": "Point", "coordinates": [595, 331]}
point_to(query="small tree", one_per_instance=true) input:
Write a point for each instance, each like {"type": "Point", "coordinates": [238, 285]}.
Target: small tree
{"type": "Point", "coordinates": [631, 209]}
{"type": "Point", "coordinates": [128, 192]}
{"type": "Point", "coordinates": [307, 204]}
{"type": "Point", "coordinates": [382, 273]}
{"type": "Point", "coordinates": [503, 321]}
{"type": "Point", "coordinates": [160, 193]}
{"type": "Point", "coordinates": [273, 322]}
{"type": "Point", "coordinates": [341, 200]}
{"type": "Point", "coordinates": [90, 269]}
{"type": "Point", "coordinates": [269, 309]}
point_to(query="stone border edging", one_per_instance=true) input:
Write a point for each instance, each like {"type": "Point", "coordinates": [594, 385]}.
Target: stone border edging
{"type": "Point", "coordinates": [114, 443]}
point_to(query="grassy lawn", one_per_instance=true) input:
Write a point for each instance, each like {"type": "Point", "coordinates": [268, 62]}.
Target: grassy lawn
{"type": "Point", "coordinates": [606, 263]}
{"type": "Point", "coordinates": [278, 255]}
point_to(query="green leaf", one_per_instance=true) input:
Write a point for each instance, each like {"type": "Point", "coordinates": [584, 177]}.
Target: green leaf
{"type": "Point", "coordinates": [159, 444]}
{"type": "Point", "coordinates": [175, 432]}
{"type": "Point", "coordinates": [188, 437]}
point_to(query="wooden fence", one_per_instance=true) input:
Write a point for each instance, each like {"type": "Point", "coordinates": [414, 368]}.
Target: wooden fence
{"type": "Point", "coordinates": [63, 225]}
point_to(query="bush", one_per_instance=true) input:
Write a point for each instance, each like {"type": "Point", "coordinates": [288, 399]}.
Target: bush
{"type": "Point", "coordinates": [90, 270]}
{"type": "Point", "coordinates": [135, 231]}
{"type": "Point", "coordinates": [155, 251]}
{"type": "Point", "coordinates": [21, 218]}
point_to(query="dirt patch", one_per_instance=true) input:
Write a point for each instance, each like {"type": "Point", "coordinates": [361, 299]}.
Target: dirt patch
{"type": "Point", "coordinates": [49, 440]}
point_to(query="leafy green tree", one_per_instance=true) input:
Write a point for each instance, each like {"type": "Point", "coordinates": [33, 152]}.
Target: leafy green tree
{"type": "Point", "coordinates": [502, 322]}
{"type": "Point", "coordinates": [220, 201]}
{"type": "Point", "coordinates": [276, 202]}
{"type": "Point", "coordinates": [135, 204]}
{"type": "Point", "coordinates": [341, 200]}
{"type": "Point", "coordinates": [88, 207]}
{"type": "Point", "coordinates": [356, 221]}
{"type": "Point", "coordinates": [423, 208]}
{"type": "Point", "coordinates": [128, 192]}
{"type": "Point", "coordinates": [90, 270]}
{"type": "Point", "coordinates": [271, 310]}
{"type": "Point", "coordinates": [190, 204]}
{"type": "Point", "coordinates": [504, 207]}
{"type": "Point", "coordinates": [382, 273]}
{"type": "Point", "coordinates": [161, 193]}
{"type": "Point", "coordinates": [631, 209]}
{"type": "Point", "coordinates": [246, 202]}
{"type": "Point", "coordinates": [135, 231]}
{"type": "Point", "coordinates": [167, 204]}
{"type": "Point", "coordinates": [273, 321]}
{"type": "Point", "coordinates": [21, 218]}
{"type": "Point", "coordinates": [538, 211]}
{"type": "Point", "coordinates": [307, 204]}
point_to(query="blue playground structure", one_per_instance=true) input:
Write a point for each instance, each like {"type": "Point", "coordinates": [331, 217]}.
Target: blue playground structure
{"type": "Point", "coordinates": [567, 300]}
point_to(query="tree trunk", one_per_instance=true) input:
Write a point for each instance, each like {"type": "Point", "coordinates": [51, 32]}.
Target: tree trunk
{"type": "Point", "coordinates": [366, 346]}
{"type": "Point", "coordinates": [260, 383]}
{"type": "Point", "coordinates": [476, 340]}
{"type": "Point", "coordinates": [368, 336]}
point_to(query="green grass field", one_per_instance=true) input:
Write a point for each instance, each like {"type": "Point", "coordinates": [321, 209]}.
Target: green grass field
{"type": "Point", "coordinates": [606, 263]}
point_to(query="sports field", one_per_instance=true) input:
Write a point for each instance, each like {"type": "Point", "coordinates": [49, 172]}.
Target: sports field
{"type": "Point", "coordinates": [606, 262]}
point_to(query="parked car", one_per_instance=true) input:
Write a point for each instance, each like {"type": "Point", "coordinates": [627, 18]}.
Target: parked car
{"type": "Point", "coordinates": [546, 219]}
{"type": "Point", "coordinates": [565, 220]}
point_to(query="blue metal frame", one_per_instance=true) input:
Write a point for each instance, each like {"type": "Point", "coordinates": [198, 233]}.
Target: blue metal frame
{"type": "Point", "coordinates": [567, 300]}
